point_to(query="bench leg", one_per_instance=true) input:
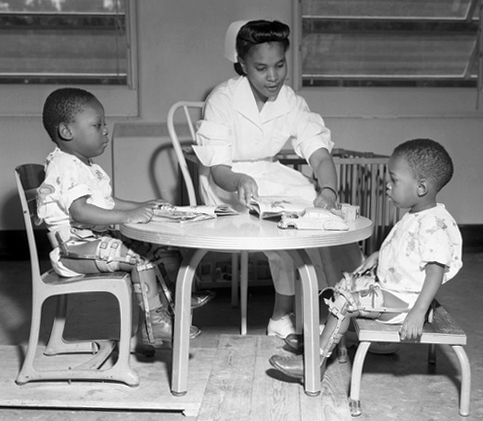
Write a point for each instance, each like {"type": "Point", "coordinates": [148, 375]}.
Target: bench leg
{"type": "Point", "coordinates": [356, 377]}
{"type": "Point", "coordinates": [465, 380]}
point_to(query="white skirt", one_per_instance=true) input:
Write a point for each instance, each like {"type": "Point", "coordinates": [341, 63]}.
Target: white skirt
{"type": "Point", "coordinates": [275, 179]}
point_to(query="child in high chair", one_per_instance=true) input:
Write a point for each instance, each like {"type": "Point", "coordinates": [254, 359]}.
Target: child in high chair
{"type": "Point", "coordinates": [76, 203]}
{"type": "Point", "coordinates": [422, 251]}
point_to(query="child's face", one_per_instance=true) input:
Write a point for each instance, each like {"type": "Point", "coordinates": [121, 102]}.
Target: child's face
{"type": "Point", "coordinates": [402, 188]}
{"type": "Point", "coordinates": [266, 69]}
{"type": "Point", "coordinates": [89, 132]}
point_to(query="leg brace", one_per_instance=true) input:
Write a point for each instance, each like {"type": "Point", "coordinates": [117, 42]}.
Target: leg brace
{"type": "Point", "coordinates": [108, 255]}
{"type": "Point", "coordinates": [167, 263]}
{"type": "Point", "coordinates": [142, 285]}
{"type": "Point", "coordinates": [111, 256]}
{"type": "Point", "coordinates": [366, 295]}
{"type": "Point", "coordinates": [353, 294]}
{"type": "Point", "coordinates": [339, 306]}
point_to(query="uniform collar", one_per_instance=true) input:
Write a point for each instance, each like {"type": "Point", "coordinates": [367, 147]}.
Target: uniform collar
{"type": "Point", "coordinates": [245, 103]}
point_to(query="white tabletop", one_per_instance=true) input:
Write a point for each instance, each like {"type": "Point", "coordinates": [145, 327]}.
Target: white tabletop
{"type": "Point", "coordinates": [243, 232]}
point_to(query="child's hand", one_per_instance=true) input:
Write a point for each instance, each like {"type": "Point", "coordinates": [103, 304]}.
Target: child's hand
{"type": "Point", "coordinates": [368, 264]}
{"type": "Point", "coordinates": [412, 327]}
{"type": "Point", "coordinates": [141, 215]}
{"type": "Point", "coordinates": [157, 203]}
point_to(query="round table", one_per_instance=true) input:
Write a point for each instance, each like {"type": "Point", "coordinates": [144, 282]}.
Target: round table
{"type": "Point", "coordinates": [243, 233]}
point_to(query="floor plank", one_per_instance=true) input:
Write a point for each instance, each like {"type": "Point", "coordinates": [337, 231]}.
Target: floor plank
{"type": "Point", "coordinates": [274, 396]}
{"type": "Point", "coordinates": [229, 385]}
{"type": "Point", "coordinates": [244, 387]}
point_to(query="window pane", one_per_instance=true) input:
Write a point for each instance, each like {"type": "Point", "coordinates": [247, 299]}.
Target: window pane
{"type": "Point", "coordinates": [360, 52]}
{"type": "Point", "coordinates": [412, 9]}
{"type": "Point", "coordinates": [77, 41]}
{"type": "Point", "coordinates": [62, 6]}
{"type": "Point", "coordinates": [389, 42]}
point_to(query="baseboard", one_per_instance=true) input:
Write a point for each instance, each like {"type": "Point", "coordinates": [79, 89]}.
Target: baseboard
{"type": "Point", "coordinates": [14, 245]}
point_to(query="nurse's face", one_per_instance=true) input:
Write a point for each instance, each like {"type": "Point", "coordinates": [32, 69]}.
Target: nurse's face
{"type": "Point", "coordinates": [266, 70]}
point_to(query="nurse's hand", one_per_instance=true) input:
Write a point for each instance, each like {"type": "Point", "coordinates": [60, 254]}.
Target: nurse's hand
{"type": "Point", "coordinates": [326, 199]}
{"type": "Point", "coordinates": [246, 188]}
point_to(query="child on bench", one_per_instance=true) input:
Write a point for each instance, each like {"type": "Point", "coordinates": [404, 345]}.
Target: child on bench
{"type": "Point", "coordinates": [78, 207]}
{"type": "Point", "coordinates": [422, 251]}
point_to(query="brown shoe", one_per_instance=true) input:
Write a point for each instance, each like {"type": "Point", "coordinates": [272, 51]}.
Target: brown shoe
{"type": "Point", "coordinates": [200, 298]}
{"type": "Point", "coordinates": [294, 366]}
{"type": "Point", "coordinates": [162, 327]}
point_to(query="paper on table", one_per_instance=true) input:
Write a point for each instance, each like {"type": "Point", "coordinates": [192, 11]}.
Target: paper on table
{"type": "Point", "coordinates": [191, 213]}
{"type": "Point", "coordinates": [276, 206]}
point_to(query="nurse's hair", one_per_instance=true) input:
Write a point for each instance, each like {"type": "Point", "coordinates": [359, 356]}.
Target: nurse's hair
{"type": "Point", "coordinates": [258, 32]}
{"type": "Point", "coordinates": [428, 160]}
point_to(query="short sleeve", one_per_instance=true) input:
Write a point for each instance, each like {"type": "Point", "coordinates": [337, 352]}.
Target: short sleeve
{"type": "Point", "coordinates": [76, 192]}
{"type": "Point", "coordinates": [440, 242]}
{"type": "Point", "coordinates": [311, 131]}
{"type": "Point", "coordinates": [214, 137]}
{"type": "Point", "coordinates": [212, 144]}
{"type": "Point", "coordinates": [59, 190]}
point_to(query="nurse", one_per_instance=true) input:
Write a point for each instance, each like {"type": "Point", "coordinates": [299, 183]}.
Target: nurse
{"type": "Point", "coordinates": [247, 121]}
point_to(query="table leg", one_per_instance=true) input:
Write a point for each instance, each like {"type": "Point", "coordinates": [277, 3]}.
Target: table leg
{"type": "Point", "coordinates": [182, 320]}
{"type": "Point", "coordinates": [310, 311]}
{"type": "Point", "coordinates": [243, 291]}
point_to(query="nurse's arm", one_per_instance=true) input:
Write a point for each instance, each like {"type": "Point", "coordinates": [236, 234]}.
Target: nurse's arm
{"type": "Point", "coordinates": [324, 168]}
{"type": "Point", "coordinates": [245, 186]}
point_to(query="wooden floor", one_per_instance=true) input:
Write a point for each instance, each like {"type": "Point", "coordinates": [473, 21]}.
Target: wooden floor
{"type": "Point", "coordinates": [233, 381]}
{"type": "Point", "coordinates": [152, 394]}
{"type": "Point", "coordinates": [243, 387]}
{"type": "Point", "coordinates": [230, 375]}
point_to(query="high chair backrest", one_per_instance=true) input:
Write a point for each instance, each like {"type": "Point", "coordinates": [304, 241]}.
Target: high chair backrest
{"type": "Point", "coordinates": [29, 177]}
{"type": "Point", "coordinates": [192, 110]}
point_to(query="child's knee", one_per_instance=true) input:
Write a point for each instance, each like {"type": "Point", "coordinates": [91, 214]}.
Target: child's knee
{"type": "Point", "coordinates": [112, 255]}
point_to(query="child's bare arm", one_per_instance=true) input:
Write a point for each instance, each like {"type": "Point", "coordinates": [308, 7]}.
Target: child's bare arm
{"type": "Point", "coordinates": [121, 204]}
{"type": "Point", "coordinates": [413, 324]}
{"type": "Point", "coordinates": [368, 264]}
{"type": "Point", "coordinates": [88, 214]}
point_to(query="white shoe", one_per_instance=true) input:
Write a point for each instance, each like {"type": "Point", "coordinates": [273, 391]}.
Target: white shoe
{"type": "Point", "coordinates": [281, 327]}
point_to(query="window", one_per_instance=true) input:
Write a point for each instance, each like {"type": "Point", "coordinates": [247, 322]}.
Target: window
{"type": "Point", "coordinates": [390, 42]}
{"type": "Point", "coordinates": [65, 41]}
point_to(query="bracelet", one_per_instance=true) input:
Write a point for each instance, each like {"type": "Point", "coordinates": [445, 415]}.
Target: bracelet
{"type": "Point", "coordinates": [332, 190]}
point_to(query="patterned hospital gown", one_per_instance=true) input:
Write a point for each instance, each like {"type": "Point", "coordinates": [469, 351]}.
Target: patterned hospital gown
{"type": "Point", "coordinates": [416, 240]}
{"type": "Point", "coordinates": [67, 179]}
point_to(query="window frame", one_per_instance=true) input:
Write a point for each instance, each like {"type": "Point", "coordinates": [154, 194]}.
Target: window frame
{"type": "Point", "coordinates": [361, 103]}
{"type": "Point", "coordinates": [26, 100]}
{"type": "Point", "coordinates": [298, 75]}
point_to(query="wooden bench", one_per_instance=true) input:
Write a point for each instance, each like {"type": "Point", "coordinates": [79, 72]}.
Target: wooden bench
{"type": "Point", "coordinates": [441, 328]}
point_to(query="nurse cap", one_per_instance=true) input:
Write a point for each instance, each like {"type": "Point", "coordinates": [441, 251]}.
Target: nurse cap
{"type": "Point", "coordinates": [230, 40]}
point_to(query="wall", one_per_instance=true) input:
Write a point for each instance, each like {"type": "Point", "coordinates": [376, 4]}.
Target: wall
{"type": "Point", "coordinates": [181, 46]}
